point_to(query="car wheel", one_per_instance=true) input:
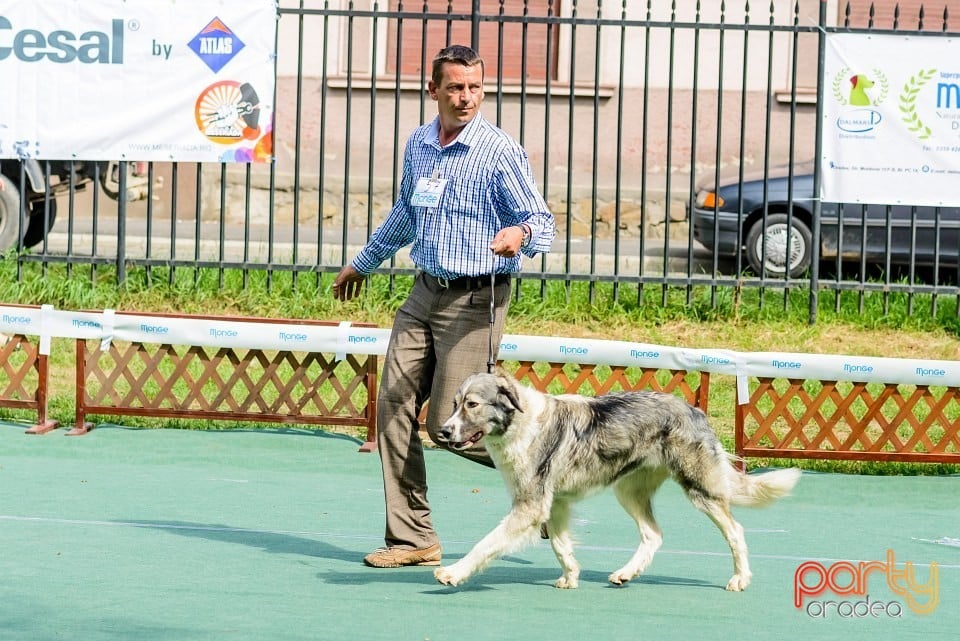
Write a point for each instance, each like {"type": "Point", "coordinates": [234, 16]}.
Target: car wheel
{"type": "Point", "coordinates": [767, 250]}
{"type": "Point", "coordinates": [36, 230]}
{"type": "Point", "coordinates": [10, 227]}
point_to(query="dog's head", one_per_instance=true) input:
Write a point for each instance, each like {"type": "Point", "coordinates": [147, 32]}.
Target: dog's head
{"type": "Point", "coordinates": [484, 406]}
{"type": "Point", "coordinates": [860, 81]}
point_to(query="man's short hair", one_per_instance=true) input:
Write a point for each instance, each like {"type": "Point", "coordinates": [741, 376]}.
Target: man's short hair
{"type": "Point", "coordinates": [459, 54]}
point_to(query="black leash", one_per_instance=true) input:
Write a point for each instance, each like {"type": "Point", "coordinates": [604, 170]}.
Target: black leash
{"type": "Point", "coordinates": [491, 360]}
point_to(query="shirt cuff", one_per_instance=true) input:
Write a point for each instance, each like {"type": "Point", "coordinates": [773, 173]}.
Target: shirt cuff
{"type": "Point", "coordinates": [364, 263]}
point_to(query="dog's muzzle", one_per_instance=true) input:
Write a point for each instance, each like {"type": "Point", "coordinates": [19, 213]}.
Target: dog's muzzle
{"type": "Point", "coordinates": [452, 438]}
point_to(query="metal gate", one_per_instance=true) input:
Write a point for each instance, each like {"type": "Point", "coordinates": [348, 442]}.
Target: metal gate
{"type": "Point", "coordinates": [624, 109]}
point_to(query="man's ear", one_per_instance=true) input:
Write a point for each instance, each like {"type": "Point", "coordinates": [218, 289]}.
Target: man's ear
{"type": "Point", "coordinates": [432, 88]}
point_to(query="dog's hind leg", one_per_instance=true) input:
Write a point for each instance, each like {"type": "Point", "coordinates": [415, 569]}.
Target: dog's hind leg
{"type": "Point", "coordinates": [634, 493]}
{"type": "Point", "coordinates": [559, 527]}
{"type": "Point", "coordinates": [719, 512]}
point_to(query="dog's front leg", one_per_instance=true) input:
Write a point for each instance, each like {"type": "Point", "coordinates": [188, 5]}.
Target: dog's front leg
{"type": "Point", "coordinates": [516, 529]}
{"type": "Point", "coordinates": [559, 530]}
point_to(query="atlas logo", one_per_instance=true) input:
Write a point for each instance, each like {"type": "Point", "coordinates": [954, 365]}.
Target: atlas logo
{"type": "Point", "coordinates": [216, 45]}
{"type": "Point", "coordinates": [62, 46]}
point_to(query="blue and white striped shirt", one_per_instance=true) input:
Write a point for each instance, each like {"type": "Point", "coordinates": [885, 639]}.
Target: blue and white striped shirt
{"type": "Point", "coordinates": [489, 187]}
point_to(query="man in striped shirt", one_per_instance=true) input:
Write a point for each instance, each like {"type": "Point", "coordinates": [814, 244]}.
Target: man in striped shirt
{"type": "Point", "coordinates": [469, 206]}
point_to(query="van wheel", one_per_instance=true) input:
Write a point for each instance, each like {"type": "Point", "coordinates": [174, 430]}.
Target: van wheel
{"type": "Point", "coordinates": [767, 250]}
{"type": "Point", "coordinates": [10, 227]}
{"type": "Point", "coordinates": [36, 230]}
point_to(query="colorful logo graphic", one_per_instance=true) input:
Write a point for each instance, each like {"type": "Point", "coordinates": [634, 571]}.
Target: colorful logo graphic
{"type": "Point", "coordinates": [216, 45]}
{"type": "Point", "coordinates": [813, 582]}
{"type": "Point", "coordinates": [860, 89]}
{"type": "Point", "coordinates": [861, 92]}
{"type": "Point", "coordinates": [228, 112]}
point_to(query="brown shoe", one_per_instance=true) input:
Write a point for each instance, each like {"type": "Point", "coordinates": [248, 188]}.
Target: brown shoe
{"type": "Point", "coordinates": [399, 557]}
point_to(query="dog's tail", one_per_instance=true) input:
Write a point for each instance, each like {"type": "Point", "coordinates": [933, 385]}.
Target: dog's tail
{"type": "Point", "coordinates": [759, 490]}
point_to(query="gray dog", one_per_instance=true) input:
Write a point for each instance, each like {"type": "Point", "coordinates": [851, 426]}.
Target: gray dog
{"type": "Point", "coordinates": [555, 450]}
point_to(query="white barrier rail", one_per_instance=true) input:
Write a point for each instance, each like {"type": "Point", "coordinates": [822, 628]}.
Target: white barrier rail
{"type": "Point", "coordinates": [47, 323]}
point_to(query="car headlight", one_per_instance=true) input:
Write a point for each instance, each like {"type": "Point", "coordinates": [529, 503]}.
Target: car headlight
{"type": "Point", "coordinates": [709, 200]}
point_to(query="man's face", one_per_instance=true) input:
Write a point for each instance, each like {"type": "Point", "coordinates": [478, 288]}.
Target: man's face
{"type": "Point", "coordinates": [458, 95]}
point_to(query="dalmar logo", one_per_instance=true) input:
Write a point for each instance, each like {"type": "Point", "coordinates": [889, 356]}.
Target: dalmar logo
{"type": "Point", "coordinates": [860, 89]}
{"type": "Point", "coordinates": [852, 581]}
{"type": "Point", "coordinates": [861, 92]}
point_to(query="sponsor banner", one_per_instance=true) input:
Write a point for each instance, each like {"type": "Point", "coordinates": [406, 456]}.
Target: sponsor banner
{"type": "Point", "coordinates": [891, 119]}
{"type": "Point", "coordinates": [346, 339]}
{"type": "Point", "coordinates": [20, 320]}
{"type": "Point", "coordinates": [828, 367]}
{"type": "Point", "coordinates": [621, 353]}
{"type": "Point", "coordinates": [140, 80]}
{"type": "Point", "coordinates": [244, 335]}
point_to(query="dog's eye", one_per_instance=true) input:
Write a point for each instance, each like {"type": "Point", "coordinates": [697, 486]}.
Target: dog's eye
{"type": "Point", "coordinates": [471, 404]}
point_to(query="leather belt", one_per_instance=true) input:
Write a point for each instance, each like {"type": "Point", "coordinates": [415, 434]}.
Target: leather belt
{"type": "Point", "coordinates": [468, 283]}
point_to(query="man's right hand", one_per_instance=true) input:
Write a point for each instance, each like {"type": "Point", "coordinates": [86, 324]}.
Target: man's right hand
{"type": "Point", "coordinates": [348, 283]}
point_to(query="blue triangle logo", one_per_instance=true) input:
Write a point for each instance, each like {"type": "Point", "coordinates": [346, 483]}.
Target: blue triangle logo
{"type": "Point", "coordinates": [216, 45]}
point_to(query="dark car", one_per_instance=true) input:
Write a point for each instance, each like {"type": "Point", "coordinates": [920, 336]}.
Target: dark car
{"type": "Point", "coordinates": [25, 218]}
{"type": "Point", "coordinates": [756, 218]}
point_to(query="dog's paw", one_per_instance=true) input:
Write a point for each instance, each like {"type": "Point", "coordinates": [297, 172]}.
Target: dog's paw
{"type": "Point", "coordinates": [448, 577]}
{"type": "Point", "coordinates": [566, 583]}
{"type": "Point", "coordinates": [619, 577]}
{"type": "Point", "coordinates": [738, 582]}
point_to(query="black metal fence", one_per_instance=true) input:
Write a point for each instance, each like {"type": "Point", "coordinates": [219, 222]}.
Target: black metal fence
{"type": "Point", "coordinates": [626, 111]}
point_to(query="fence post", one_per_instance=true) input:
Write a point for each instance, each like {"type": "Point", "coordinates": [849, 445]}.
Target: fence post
{"type": "Point", "coordinates": [818, 151]}
{"type": "Point", "coordinates": [122, 223]}
{"type": "Point", "coordinates": [475, 26]}
{"type": "Point", "coordinates": [44, 424]}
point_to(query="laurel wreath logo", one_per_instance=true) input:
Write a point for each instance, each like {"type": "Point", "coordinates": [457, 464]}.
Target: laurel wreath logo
{"type": "Point", "coordinates": [842, 77]}
{"type": "Point", "coordinates": [838, 82]}
{"type": "Point", "coordinates": [908, 103]}
{"type": "Point", "coordinates": [881, 78]}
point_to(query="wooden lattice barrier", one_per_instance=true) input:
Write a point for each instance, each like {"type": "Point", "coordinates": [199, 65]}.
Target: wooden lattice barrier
{"type": "Point", "coordinates": [25, 379]}
{"type": "Point", "coordinates": [226, 383]}
{"type": "Point", "coordinates": [794, 418]}
{"type": "Point", "coordinates": [594, 380]}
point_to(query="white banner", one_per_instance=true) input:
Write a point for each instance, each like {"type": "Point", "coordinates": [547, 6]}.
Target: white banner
{"type": "Point", "coordinates": [346, 339]}
{"type": "Point", "coordinates": [137, 80]}
{"type": "Point", "coordinates": [891, 128]}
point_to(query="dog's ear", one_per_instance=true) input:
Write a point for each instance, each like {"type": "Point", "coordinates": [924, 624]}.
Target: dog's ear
{"type": "Point", "coordinates": [508, 389]}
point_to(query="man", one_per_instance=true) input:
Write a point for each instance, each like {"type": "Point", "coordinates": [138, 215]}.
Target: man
{"type": "Point", "coordinates": [469, 206]}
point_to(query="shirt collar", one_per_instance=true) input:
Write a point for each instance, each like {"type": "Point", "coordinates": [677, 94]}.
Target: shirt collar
{"type": "Point", "coordinates": [469, 134]}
